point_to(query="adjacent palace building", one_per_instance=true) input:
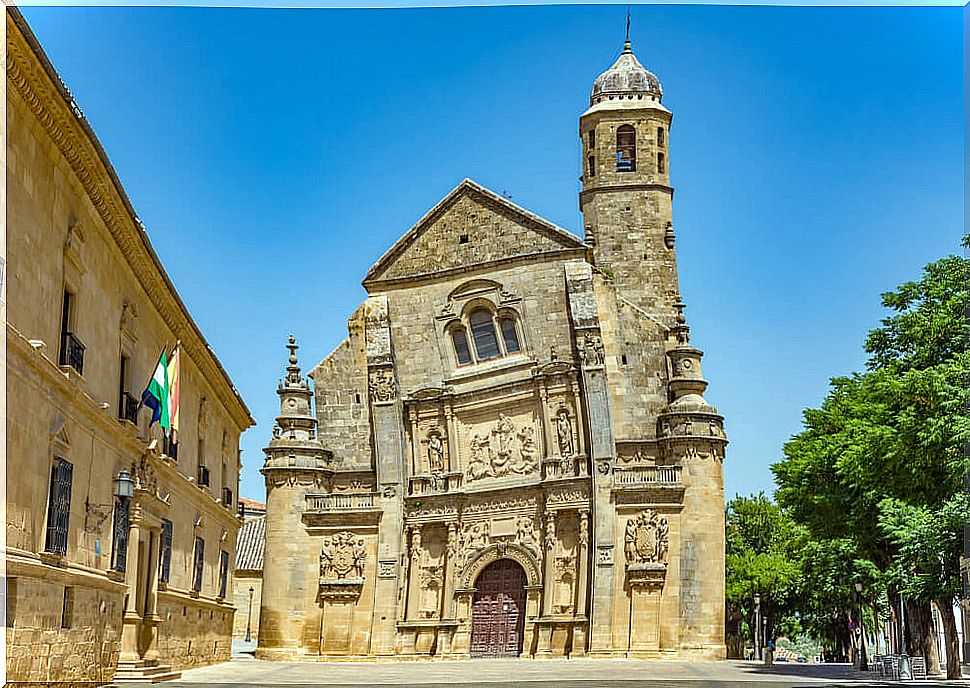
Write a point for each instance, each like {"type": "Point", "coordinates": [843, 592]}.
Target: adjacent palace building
{"type": "Point", "coordinates": [118, 546]}
{"type": "Point", "coordinates": [510, 454]}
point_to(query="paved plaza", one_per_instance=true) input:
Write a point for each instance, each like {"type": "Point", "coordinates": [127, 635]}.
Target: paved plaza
{"type": "Point", "coordinates": [243, 670]}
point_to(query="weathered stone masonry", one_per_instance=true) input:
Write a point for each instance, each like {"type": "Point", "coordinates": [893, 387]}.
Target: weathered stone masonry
{"type": "Point", "coordinates": [511, 453]}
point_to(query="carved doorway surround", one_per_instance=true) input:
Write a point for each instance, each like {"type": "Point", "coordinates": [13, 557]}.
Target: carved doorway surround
{"type": "Point", "coordinates": [498, 610]}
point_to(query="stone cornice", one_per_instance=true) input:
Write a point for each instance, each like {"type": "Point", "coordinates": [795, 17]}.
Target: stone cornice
{"type": "Point", "coordinates": [23, 563]}
{"type": "Point", "coordinates": [379, 286]}
{"type": "Point", "coordinates": [31, 74]}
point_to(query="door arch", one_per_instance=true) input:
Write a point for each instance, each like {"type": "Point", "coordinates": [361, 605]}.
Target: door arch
{"type": "Point", "coordinates": [498, 610]}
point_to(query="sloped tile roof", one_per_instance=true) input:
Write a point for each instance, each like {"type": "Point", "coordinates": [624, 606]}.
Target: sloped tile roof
{"type": "Point", "coordinates": [249, 545]}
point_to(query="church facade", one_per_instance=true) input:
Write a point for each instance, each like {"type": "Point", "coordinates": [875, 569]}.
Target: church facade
{"type": "Point", "coordinates": [510, 454]}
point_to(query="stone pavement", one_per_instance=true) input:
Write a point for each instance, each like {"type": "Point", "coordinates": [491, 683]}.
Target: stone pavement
{"type": "Point", "coordinates": [243, 670]}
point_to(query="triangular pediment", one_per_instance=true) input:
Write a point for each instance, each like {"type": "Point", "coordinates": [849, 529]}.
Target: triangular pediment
{"type": "Point", "coordinates": [470, 226]}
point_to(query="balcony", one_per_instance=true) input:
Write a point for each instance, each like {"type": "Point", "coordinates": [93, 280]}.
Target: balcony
{"type": "Point", "coordinates": [645, 476]}
{"type": "Point", "coordinates": [434, 483]}
{"type": "Point", "coordinates": [72, 352]}
{"type": "Point", "coordinates": [557, 467]}
{"type": "Point", "coordinates": [128, 409]}
{"type": "Point", "coordinates": [340, 502]}
{"type": "Point", "coordinates": [170, 448]}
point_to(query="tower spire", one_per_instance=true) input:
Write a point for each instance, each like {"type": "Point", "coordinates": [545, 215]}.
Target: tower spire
{"type": "Point", "coordinates": [627, 48]}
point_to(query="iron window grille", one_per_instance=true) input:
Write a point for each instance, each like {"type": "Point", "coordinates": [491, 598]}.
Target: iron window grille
{"type": "Point", "coordinates": [223, 572]}
{"type": "Point", "coordinates": [227, 496]}
{"type": "Point", "coordinates": [166, 558]}
{"type": "Point", "coordinates": [119, 530]}
{"type": "Point", "coordinates": [203, 476]}
{"type": "Point", "coordinates": [59, 506]}
{"type": "Point", "coordinates": [170, 447]}
{"type": "Point", "coordinates": [72, 352]}
{"type": "Point", "coordinates": [197, 564]}
{"type": "Point", "coordinates": [129, 408]}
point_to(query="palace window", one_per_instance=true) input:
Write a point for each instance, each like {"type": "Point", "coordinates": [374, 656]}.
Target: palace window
{"type": "Point", "coordinates": [626, 149]}
{"type": "Point", "coordinates": [223, 572]}
{"type": "Point", "coordinates": [72, 350]}
{"type": "Point", "coordinates": [660, 136]}
{"type": "Point", "coordinates": [483, 334]}
{"type": "Point", "coordinates": [460, 341]}
{"type": "Point", "coordinates": [591, 165]}
{"type": "Point", "coordinates": [661, 163]}
{"type": "Point", "coordinates": [592, 139]}
{"type": "Point", "coordinates": [165, 565]}
{"type": "Point", "coordinates": [198, 561]}
{"type": "Point", "coordinates": [119, 531]}
{"type": "Point", "coordinates": [59, 506]}
{"type": "Point", "coordinates": [491, 336]}
{"type": "Point", "coordinates": [509, 335]}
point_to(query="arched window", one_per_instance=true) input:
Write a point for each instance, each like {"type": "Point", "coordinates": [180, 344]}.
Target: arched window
{"type": "Point", "coordinates": [460, 341]}
{"type": "Point", "coordinates": [626, 149]}
{"type": "Point", "coordinates": [483, 334]}
{"type": "Point", "coordinates": [509, 336]}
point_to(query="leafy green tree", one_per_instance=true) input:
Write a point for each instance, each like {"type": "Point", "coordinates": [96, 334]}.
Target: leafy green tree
{"type": "Point", "coordinates": [759, 559]}
{"type": "Point", "coordinates": [892, 439]}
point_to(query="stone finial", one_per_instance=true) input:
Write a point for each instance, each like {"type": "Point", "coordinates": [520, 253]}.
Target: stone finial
{"type": "Point", "coordinates": [293, 377]}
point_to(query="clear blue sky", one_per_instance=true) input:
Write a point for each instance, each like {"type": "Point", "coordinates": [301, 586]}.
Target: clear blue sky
{"type": "Point", "coordinates": [274, 155]}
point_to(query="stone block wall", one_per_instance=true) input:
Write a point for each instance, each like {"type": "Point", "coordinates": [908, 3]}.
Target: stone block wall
{"type": "Point", "coordinates": [48, 643]}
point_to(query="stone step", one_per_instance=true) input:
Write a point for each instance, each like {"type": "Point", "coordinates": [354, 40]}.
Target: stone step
{"type": "Point", "coordinates": [141, 672]}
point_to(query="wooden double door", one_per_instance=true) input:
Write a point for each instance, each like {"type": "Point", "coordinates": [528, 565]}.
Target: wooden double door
{"type": "Point", "coordinates": [498, 610]}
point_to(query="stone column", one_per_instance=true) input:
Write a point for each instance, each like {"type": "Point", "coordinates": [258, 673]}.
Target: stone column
{"type": "Point", "coordinates": [451, 572]}
{"type": "Point", "coordinates": [415, 443]}
{"type": "Point", "coordinates": [547, 442]}
{"type": "Point", "coordinates": [131, 621]}
{"type": "Point", "coordinates": [579, 635]}
{"type": "Point", "coordinates": [581, 436]}
{"type": "Point", "coordinates": [452, 438]}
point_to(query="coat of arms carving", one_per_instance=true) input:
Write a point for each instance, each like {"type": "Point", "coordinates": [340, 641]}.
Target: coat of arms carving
{"type": "Point", "coordinates": [343, 557]}
{"type": "Point", "coordinates": [646, 538]}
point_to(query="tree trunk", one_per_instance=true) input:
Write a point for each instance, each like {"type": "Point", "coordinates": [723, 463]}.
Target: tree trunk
{"type": "Point", "coordinates": [921, 635]}
{"type": "Point", "coordinates": [953, 668]}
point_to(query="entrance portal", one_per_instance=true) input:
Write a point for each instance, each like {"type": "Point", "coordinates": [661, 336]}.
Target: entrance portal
{"type": "Point", "coordinates": [498, 610]}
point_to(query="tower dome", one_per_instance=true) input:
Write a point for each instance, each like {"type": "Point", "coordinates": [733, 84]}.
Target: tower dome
{"type": "Point", "coordinates": [627, 78]}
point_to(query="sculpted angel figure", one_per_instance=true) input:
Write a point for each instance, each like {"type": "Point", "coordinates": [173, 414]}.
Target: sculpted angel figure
{"type": "Point", "coordinates": [505, 434]}
{"type": "Point", "coordinates": [527, 450]}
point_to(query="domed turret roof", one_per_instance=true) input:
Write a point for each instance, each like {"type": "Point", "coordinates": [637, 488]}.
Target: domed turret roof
{"type": "Point", "coordinates": [627, 77]}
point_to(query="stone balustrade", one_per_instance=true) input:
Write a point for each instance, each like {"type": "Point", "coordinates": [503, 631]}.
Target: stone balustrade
{"type": "Point", "coordinates": [639, 475]}
{"type": "Point", "coordinates": [434, 483]}
{"type": "Point", "coordinates": [339, 502]}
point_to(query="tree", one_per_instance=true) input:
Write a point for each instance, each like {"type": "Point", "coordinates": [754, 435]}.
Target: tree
{"type": "Point", "coordinates": [890, 440]}
{"type": "Point", "coordinates": [758, 559]}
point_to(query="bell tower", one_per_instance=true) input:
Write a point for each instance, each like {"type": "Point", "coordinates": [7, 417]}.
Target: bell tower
{"type": "Point", "coordinates": [626, 194]}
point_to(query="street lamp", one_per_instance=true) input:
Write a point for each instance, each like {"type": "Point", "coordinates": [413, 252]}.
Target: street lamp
{"type": "Point", "coordinates": [123, 484]}
{"type": "Point", "coordinates": [863, 663]}
{"type": "Point", "coordinates": [249, 616]}
{"type": "Point", "coordinates": [757, 626]}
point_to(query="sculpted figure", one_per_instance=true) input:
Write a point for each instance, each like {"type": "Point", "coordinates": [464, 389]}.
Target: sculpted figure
{"type": "Point", "coordinates": [504, 432]}
{"type": "Point", "coordinates": [527, 451]}
{"type": "Point", "coordinates": [564, 433]}
{"type": "Point", "coordinates": [436, 452]}
{"type": "Point", "coordinates": [478, 464]}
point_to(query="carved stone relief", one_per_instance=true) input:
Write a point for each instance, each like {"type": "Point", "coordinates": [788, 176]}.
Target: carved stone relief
{"type": "Point", "coordinates": [564, 433]}
{"type": "Point", "coordinates": [343, 557]}
{"type": "Point", "coordinates": [591, 349]}
{"type": "Point", "coordinates": [383, 388]}
{"type": "Point", "coordinates": [504, 449]}
{"type": "Point", "coordinates": [474, 537]}
{"type": "Point", "coordinates": [646, 538]}
{"type": "Point", "coordinates": [436, 452]}
{"type": "Point", "coordinates": [433, 549]}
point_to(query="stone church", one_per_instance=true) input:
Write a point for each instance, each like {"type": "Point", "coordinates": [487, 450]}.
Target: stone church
{"type": "Point", "coordinates": [510, 453]}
